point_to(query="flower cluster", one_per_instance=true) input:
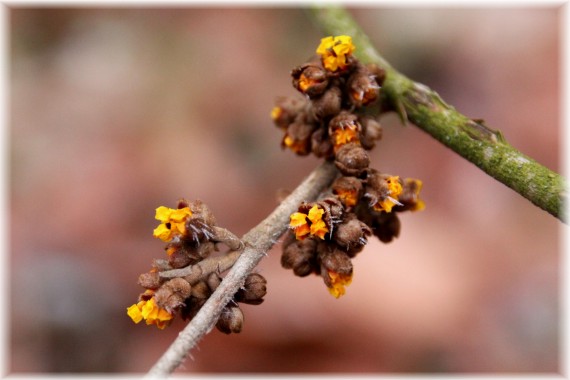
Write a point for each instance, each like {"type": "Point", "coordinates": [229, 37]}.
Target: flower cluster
{"type": "Point", "coordinates": [331, 122]}
{"type": "Point", "coordinates": [182, 283]}
{"type": "Point", "coordinates": [326, 122]}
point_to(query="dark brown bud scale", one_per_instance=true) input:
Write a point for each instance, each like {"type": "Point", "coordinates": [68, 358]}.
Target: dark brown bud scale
{"type": "Point", "coordinates": [327, 105]}
{"type": "Point", "coordinates": [150, 280]}
{"type": "Point", "coordinates": [310, 79]}
{"type": "Point", "coordinates": [351, 233]}
{"type": "Point", "coordinates": [299, 255]}
{"type": "Point", "coordinates": [172, 294]}
{"type": "Point", "coordinates": [370, 133]}
{"type": "Point", "coordinates": [231, 320]}
{"type": "Point", "coordinates": [334, 260]}
{"type": "Point", "coordinates": [201, 290]}
{"type": "Point", "coordinates": [352, 159]}
{"type": "Point", "coordinates": [286, 110]}
{"type": "Point", "coordinates": [253, 290]}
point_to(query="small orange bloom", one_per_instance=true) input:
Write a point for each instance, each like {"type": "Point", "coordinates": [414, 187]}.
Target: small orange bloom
{"type": "Point", "coordinates": [339, 281]}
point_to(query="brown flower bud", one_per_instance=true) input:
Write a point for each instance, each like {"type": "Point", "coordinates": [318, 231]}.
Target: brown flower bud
{"type": "Point", "coordinates": [370, 133]}
{"type": "Point", "coordinates": [201, 290]}
{"type": "Point", "coordinates": [362, 88]}
{"type": "Point", "coordinates": [179, 256]}
{"type": "Point", "coordinates": [382, 190]}
{"type": "Point", "coordinates": [201, 211]}
{"type": "Point", "coordinates": [150, 280]}
{"type": "Point", "coordinates": [378, 72]}
{"type": "Point", "coordinates": [172, 294]}
{"type": "Point", "coordinates": [351, 159]}
{"type": "Point", "coordinates": [213, 281]}
{"type": "Point", "coordinates": [300, 255]}
{"type": "Point", "coordinates": [333, 260]}
{"type": "Point", "coordinates": [321, 145]}
{"type": "Point", "coordinates": [348, 190]}
{"type": "Point", "coordinates": [329, 104]}
{"type": "Point", "coordinates": [310, 79]}
{"type": "Point", "coordinates": [332, 212]}
{"type": "Point", "coordinates": [298, 135]}
{"type": "Point", "coordinates": [386, 226]}
{"type": "Point", "coordinates": [231, 320]}
{"type": "Point", "coordinates": [351, 234]}
{"type": "Point", "coordinates": [191, 307]}
{"type": "Point", "coordinates": [286, 110]}
{"type": "Point", "coordinates": [343, 129]}
{"type": "Point", "coordinates": [253, 290]}
{"type": "Point", "coordinates": [409, 198]}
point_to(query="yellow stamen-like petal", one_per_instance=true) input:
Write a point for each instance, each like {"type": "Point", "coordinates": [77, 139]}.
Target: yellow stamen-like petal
{"type": "Point", "coordinates": [163, 214]}
{"type": "Point", "coordinates": [395, 186]}
{"type": "Point", "coordinates": [315, 214]}
{"type": "Point", "coordinates": [135, 313]}
{"type": "Point", "coordinates": [298, 221]}
{"type": "Point", "coordinates": [339, 281]}
{"type": "Point", "coordinates": [326, 43]}
{"type": "Point", "coordinates": [319, 229]}
{"type": "Point", "coordinates": [276, 113]}
{"type": "Point", "coordinates": [347, 197]}
{"type": "Point", "coordinates": [344, 136]}
{"type": "Point", "coordinates": [162, 232]}
{"type": "Point", "coordinates": [180, 214]}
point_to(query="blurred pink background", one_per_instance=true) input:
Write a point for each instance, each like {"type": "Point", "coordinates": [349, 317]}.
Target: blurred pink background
{"type": "Point", "coordinates": [114, 112]}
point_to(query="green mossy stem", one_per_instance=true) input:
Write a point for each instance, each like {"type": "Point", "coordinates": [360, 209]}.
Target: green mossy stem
{"type": "Point", "coordinates": [471, 139]}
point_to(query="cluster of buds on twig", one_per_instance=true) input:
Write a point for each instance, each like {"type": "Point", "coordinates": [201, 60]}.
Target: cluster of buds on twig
{"type": "Point", "coordinates": [327, 121]}
{"type": "Point", "coordinates": [330, 122]}
{"type": "Point", "coordinates": [183, 282]}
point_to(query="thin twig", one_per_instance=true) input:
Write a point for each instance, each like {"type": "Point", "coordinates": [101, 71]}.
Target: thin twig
{"type": "Point", "coordinates": [472, 139]}
{"type": "Point", "coordinates": [257, 242]}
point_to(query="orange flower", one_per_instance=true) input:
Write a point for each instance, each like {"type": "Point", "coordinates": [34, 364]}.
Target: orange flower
{"type": "Point", "coordinates": [345, 136]}
{"type": "Point", "coordinates": [391, 200]}
{"type": "Point", "coordinates": [348, 197]}
{"type": "Point", "coordinates": [173, 222]}
{"type": "Point", "coordinates": [149, 311]}
{"type": "Point", "coordinates": [312, 223]}
{"type": "Point", "coordinates": [334, 51]}
{"type": "Point", "coordinates": [299, 224]}
{"type": "Point", "coordinates": [339, 281]}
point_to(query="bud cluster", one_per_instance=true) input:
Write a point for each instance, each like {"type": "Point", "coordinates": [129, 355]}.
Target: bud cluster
{"type": "Point", "coordinates": [330, 122]}
{"type": "Point", "coordinates": [191, 235]}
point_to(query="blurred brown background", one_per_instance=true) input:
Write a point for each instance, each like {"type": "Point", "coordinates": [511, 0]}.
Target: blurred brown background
{"type": "Point", "coordinates": [114, 112]}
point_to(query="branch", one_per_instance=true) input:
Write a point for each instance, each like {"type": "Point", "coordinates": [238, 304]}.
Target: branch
{"type": "Point", "coordinates": [471, 139]}
{"type": "Point", "coordinates": [257, 242]}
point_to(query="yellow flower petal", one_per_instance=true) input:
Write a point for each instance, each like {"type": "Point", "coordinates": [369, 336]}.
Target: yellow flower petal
{"type": "Point", "coordinates": [135, 313]}
{"type": "Point", "coordinates": [276, 113]}
{"type": "Point", "coordinates": [180, 214]}
{"type": "Point", "coordinates": [315, 214]}
{"type": "Point", "coordinates": [395, 186]}
{"type": "Point", "coordinates": [330, 63]}
{"type": "Point", "coordinates": [339, 281]}
{"type": "Point", "coordinates": [163, 214]}
{"type": "Point", "coordinates": [326, 43]}
{"type": "Point", "coordinates": [162, 232]}
{"type": "Point", "coordinates": [319, 229]}
{"type": "Point", "coordinates": [297, 219]}
{"type": "Point", "coordinates": [344, 136]}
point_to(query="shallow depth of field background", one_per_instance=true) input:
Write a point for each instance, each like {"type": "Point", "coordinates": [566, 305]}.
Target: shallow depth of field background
{"type": "Point", "coordinates": [114, 112]}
